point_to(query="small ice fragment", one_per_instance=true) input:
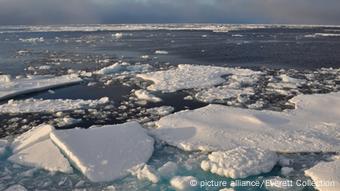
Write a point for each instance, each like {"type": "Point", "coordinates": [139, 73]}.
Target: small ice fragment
{"type": "Point", "coordinates": [184, 182]}
{"type": "Point", "coordinates": [145, 95]}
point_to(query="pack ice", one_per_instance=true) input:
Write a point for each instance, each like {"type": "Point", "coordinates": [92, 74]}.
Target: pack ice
{"type": "Point", "coordinates": [13, 87]}
{"type": "Point", "coordinates": [34, 148]}
{"type": "Point", "coordinates": [326, 175]}
{"type": "Point", "coordinates": [313, 126]}
{"type": "Point", "coordinates": [53, 105]}
{"type": "Point", "coordinates": [187, 76]}
{"type": "Point", "coordinates": [105, 153]}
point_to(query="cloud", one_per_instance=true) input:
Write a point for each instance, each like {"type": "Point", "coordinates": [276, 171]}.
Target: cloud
{"type": "Point", "coordinates": [168, 11]}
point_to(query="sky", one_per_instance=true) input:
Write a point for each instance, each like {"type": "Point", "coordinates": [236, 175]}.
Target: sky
{"type": "Point", "coordinates": [32, 12]}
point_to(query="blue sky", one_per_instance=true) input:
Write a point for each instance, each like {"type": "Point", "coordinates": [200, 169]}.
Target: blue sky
{"type": "Point", "coordinates": [169, 11]}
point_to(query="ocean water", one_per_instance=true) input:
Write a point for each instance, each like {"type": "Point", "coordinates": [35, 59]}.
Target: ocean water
{"type": "Point", "coordinates": [296, 51]}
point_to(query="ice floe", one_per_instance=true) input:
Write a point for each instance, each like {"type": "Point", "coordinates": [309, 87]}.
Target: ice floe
{"type": "Point", "coordinates": [146, 95]}
{"type": "Point", "coordinates": [183, 182]}
{"type": "Point", "coordinates": [34, 148]}
{"type": "Point", "coordinates": [124, 67]}
{"type": "Point", "coordinates": [15, 87]}
{"type": "Point", "coordinates": [168, 170]}
{"type": "Point", "coordinates": [312, 126]}
{"type": "Point", "coordinates": [161, 52]}
{"type": "Point", "coordinates": [240, 162]}
{"type": "Point", "coordinates": [326, 175]}
{"type": "Point", "coordinates": [105, 153]}
{"type": "Point", "coordinates": [190, 76]}
{"type": "Point", "coordinates": [31, 137]}
{"type": "Point", "coordinates": [161, 111]}
{"type": "Point", "coordinates": [50, 106]}
{"type": "Point", "coordinates": [32, 40]}
{"type": "Point", "coordinates": [43, 154]}
{"type": "Point", "coordinates": [145, 172]}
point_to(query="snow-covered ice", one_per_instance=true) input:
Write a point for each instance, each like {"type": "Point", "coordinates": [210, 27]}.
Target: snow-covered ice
{"type": "Point", "coordinates": [183, 182]}
{"type": "Point", "coordinates": [145, 172]}
{"type": "Point", "coordinates": [34, 148]}
{"type": "Point", "coordinates": [43, 154]}
{"type": "Point", "coordinates": [123, 67]}
{"type": "Point", "coordinates": [161, 52]}
{"type": "Point", "coordinates": [312, 126]}
{"type": "Point", "coordinates": [29, 138]}
{"type": "Point", "coordinates": [161, 111]}
{"type": "Point", "coordinates": [190, 76]}
{"type": "Point", "coordinates": [15, 87]}
{"type": "Point", "coordinates": [105, 153]}
{"type": "Point", "coordinates": [240, 162]}
{"type": "Point", "coordinates": [50, 105]}
{"type": "Point", "coordinates": [326, 175]}
{"type": "Point", "coordinates": [147, 96]}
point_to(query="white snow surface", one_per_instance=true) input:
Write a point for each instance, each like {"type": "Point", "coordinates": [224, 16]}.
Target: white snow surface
{"type": "Point", "coordinates": [147, 96]}
{"type": "Point", "coordinates": [29, 138]}
{"type": "Point", "coordinates": [49, 105]}
{"type": "Point", "coordinates": [105, 153]}
{"type": "Point", "coordinates": [191, 76]}
{"type": "Point", "coordinates": [240, 162]}
{"type": "Point", "coordinates": [44, 155]}
{"type": "Point", "coordinates": [34, 148]}
{"type": "Point", "coordinates": [15, 87]}
{"type": "Point", "coordinates": [313, 126]}
{"type": "Point", "coordinates": [326, 172]}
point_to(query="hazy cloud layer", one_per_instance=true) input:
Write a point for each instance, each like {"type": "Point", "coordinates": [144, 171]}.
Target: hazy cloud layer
{"type": "Point", "coordinates": [168, 11]}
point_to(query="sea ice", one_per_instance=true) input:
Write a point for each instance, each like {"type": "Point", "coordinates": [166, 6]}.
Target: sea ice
{"type": "Point", "coordinates": [105, 153]}
{"type": "Point", "coordinates": [191, 76]}
{"type": "Point", "coordinates": [145, 172]}
{"type": "Point", "coordinates": [110, 69]}
{"type": "Point", "coordinates": [161, 111]}
{"type": "Point", "coordinates": [145, 95]}
{"type": "Point", "coordinates": [240, 162]}
{"type": "Point", "coordinates": [44, 155]}
{"type": "Point", "coordinates": [183, 182]}
{"type": "Point", "coordinates": [326, 175]}
{"type": "Point", "coordinates": [32, 84]}
{"type": "Point", "coordinates": [52, 105]}
{"type": "Point", "coordinates": [34, 148]}
{"type": "Point", "coordinates": [29, 138]}
{"type": "Point", "coordinates": [16, 187]}
{"type": "Point", "coordinates": [168, 169]}
{"type": "Point", "coordinates": [161, 52]}
{"type": "Point", "coordinates": [123, 67]}
{"type": "Point", "coordinates": [312, 126]}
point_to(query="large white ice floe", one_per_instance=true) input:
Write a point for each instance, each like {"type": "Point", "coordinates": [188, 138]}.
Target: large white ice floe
{"type": "Point", "coordinates": [50, 105]}
{"type": "Point", "coordinates": [326, 175]}
{"type": "Point", "coordinates": [34, 148]}
{"type": "Point", "coordinates": [313, 126]}
{"type": "Point", "coordinates": [240, 162]}
{"type": "Point", "coordinates": [14, 87]}
{"type": "Point", "coordinates": [43, 154]}
{"type": "Point", "coordinates": [191, 76]}
{"type": "Point", "coordinates": [105, 153]}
